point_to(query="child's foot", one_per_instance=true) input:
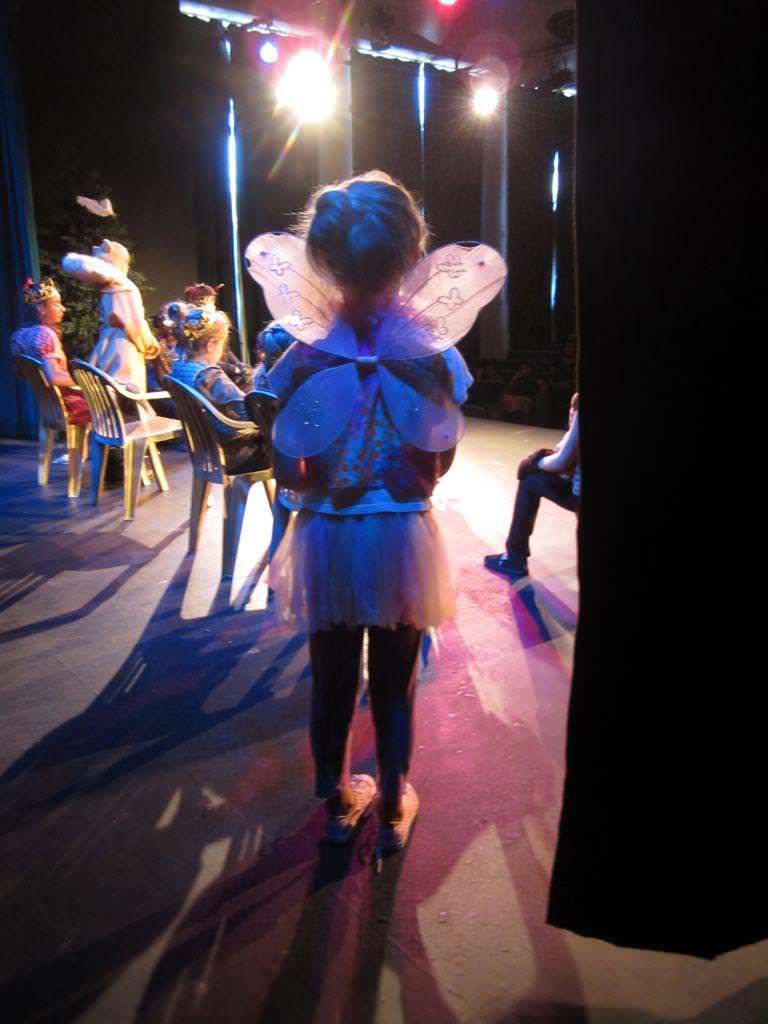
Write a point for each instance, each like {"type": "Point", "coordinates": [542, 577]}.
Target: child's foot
{"type": "Point", "coordinates": [394, 834]}
{"type": "Point", "coordinates": [342, 824]}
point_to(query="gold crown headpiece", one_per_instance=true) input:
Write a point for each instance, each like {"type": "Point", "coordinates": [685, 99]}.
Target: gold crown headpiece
{"type": "Point", "coordinates": [199, 323]}
{"type": "Point", "coordinates": [39, 291]}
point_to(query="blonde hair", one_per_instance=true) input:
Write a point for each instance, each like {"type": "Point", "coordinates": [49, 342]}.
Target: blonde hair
{"type": "Point", "coordinates": [203, 325]}
{"type": "Point", "coordinates": [364, 233]}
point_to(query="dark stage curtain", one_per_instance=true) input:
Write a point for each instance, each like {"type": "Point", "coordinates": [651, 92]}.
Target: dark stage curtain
{"type": "Point", "coordinates": [659, 838]}
{"type": "Point", "coordinates": [453, 144]}
{"type": "Point", "coordinates": [385, 125]}
{"type": "Point", "coordinates": [454, 160]}
{"type": "Point", "coordinates": [276, 179]}
{"type": "Point", "coordinates": [18, 242]}
{"type": "Point", "coordinates": [563, 123]}
{"type": "Point", "coordinates": [211, 85]}
{"type": "Point", "coordinates": [539, 125]}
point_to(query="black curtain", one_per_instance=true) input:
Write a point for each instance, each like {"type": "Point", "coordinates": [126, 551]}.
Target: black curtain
{"type": "Point", "coordinates": [276, 179]}
{"type": "Point", "coordinates": [211, 85]}
{"type": "Point", "coordinates": [563, 123]}
{"type": "Point", "coordinates": [113, 82]}
{"type": "Point", "coordinates": [454, 160]}
{"type": "Point", "coordinates": [385, 126]}
{"type": "Point", "coordinates": [540, 124]}
{"type": "Point", "coordinates": [659, 838]}
{"type": "Point", "coordinates": [454, 170]}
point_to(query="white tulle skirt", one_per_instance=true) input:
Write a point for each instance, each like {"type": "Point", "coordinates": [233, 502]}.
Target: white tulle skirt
{"type": "Point", "coordinates": [379, 569]}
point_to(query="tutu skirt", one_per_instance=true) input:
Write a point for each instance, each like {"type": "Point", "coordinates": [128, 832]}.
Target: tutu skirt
{"type": "Point", "coordinates": [378, 569]}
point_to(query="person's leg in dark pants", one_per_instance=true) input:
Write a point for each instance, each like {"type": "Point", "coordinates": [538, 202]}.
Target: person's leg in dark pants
{"type": "Point", "coordinates": [335, 658]}
{"type": "Point", "coordinates": [530, 491]}
{"type": "Point", "coordinates": [393, 658]}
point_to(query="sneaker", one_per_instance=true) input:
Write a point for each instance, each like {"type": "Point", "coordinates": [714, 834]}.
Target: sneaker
{"type": "Point", "coordinates": [507, 566]}
{"type": "Point", "coordinates": [393, 835]}
{"type": "Point", "coordinates": [341, 827]}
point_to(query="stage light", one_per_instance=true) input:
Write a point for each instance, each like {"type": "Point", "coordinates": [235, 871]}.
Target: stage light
{"type": "Point", "coordinates": [307, 88]}
{"type": "Point", "coordinates": [485, 100]}
{"type": "Point", "coordinates": [446, 3]}
{"type": "Point", "coordinates": [268, 52]}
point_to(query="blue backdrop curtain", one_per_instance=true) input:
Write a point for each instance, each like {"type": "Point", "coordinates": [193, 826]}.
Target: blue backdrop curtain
{"type": "Point", "coordinates": [18, 244]}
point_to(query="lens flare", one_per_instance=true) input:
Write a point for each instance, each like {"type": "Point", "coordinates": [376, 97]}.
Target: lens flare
{"type": "Point", "coordinates": [307, 88]}
{"type": "Point", "coordinates": [268, 52]}
{"type": "Point", "coordinates": [485, 100]}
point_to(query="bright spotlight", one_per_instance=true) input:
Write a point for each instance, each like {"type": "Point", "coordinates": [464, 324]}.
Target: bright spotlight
{"type": "Point", "coordinates": [447, 3]}
{"type": "Point", "coordinates": [307, 87]}
{"type": "Point", "coordinates": [268, 52]}
{"type": "Point", "coordinates": [485, 100]}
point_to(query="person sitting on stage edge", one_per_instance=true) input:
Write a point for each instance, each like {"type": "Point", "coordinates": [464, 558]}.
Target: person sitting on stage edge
{"type": "Point", "coordinates": [205, 335]}
{"type": "Point", "coordinates": [41, 341]}
{"type": "Point", "coordinates": [552, 473]}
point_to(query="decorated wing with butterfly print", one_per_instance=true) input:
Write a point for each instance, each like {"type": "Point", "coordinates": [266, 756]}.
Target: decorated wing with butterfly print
{"type": "Point", "coordinates": [448, 288]}
{"type": "Point", "coordinates": [437, 304]}
{"type": "Point", "coordinates": [298, 298]}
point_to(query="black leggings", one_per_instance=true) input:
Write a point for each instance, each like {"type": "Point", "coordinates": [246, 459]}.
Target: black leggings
{"type": "Point", "coordinates": [393, 656]}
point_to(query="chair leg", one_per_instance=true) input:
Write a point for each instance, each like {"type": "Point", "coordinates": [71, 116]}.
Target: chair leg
{"type": "Point", "coordinates": [235, 499]}
{"type": "Point", "coordinates": [134, 456]}
{"type": "Point", "coordinates": [280, 517]}
{"type": "Point", "coordinates": [161, 480]}
{"type": "Point", "coordinates": [75, 434]}
{"type": "Point", "coordinates": [200, 491]}
{"type": "Point", "coordinates": [99, 456]}
{"type": "Point", "coordinates": [47, 438]}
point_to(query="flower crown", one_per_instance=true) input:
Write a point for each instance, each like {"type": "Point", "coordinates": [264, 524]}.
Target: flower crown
{"type": "Point", "coordinates": [39, 291]}
{"type": "Point", "coordinates": [200, 322]}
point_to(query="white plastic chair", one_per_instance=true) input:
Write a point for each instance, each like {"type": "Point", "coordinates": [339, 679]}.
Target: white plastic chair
{"type": "Point", "coordinates": [109, 429]}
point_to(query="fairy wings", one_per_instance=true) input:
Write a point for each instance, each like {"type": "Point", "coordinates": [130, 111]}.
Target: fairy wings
{"type": "Point", "coordinates": [438, 302]}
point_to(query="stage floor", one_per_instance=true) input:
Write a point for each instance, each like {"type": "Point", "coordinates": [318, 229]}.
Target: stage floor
{"type": "Point", "coordinates": [158, 835]}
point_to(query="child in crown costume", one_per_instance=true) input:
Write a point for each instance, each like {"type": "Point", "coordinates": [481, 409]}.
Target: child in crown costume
{"type": "Point", "coordinates": [369, 417]}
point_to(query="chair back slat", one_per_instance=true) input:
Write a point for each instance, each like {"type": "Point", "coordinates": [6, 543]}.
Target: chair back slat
{"type": "Point", "coordinates": [107, 420]}
{"type": "Point", "coordinates": [199, 418]}
{"type": "Point", "coordinates": [204, 447]}
{"type": "Point", "coordinates": [50, 406]}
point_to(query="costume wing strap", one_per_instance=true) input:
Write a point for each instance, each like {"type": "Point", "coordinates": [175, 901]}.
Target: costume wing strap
{"type": "Point", "coordinates": [297, 297]}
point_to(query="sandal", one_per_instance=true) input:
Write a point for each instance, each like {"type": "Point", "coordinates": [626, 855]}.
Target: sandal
{"type": "Point", "coordinates": [341, 827]}
{"type": "Point", "coordinates": [393, 835]}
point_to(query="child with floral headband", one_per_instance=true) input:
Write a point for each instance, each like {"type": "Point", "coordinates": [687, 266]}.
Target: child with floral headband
{"type": "Point", "coordinates": [369, 416]}
{"type": "Point", "coordinates": [41, 341]}
{"type": "Point", "coordinates": [206, 331]}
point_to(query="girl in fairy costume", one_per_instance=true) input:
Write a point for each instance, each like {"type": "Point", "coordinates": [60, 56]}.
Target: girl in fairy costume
{"type": "Point", "coordinates": [369, 416]}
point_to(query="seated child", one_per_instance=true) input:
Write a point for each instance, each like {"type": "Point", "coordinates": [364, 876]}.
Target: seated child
{"type": "Point", "coordinates": [203, 296]}
{"type": "Point", "coordinates": [206, 332]}
{"type": "Point", "coordinates": [40, 340]}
